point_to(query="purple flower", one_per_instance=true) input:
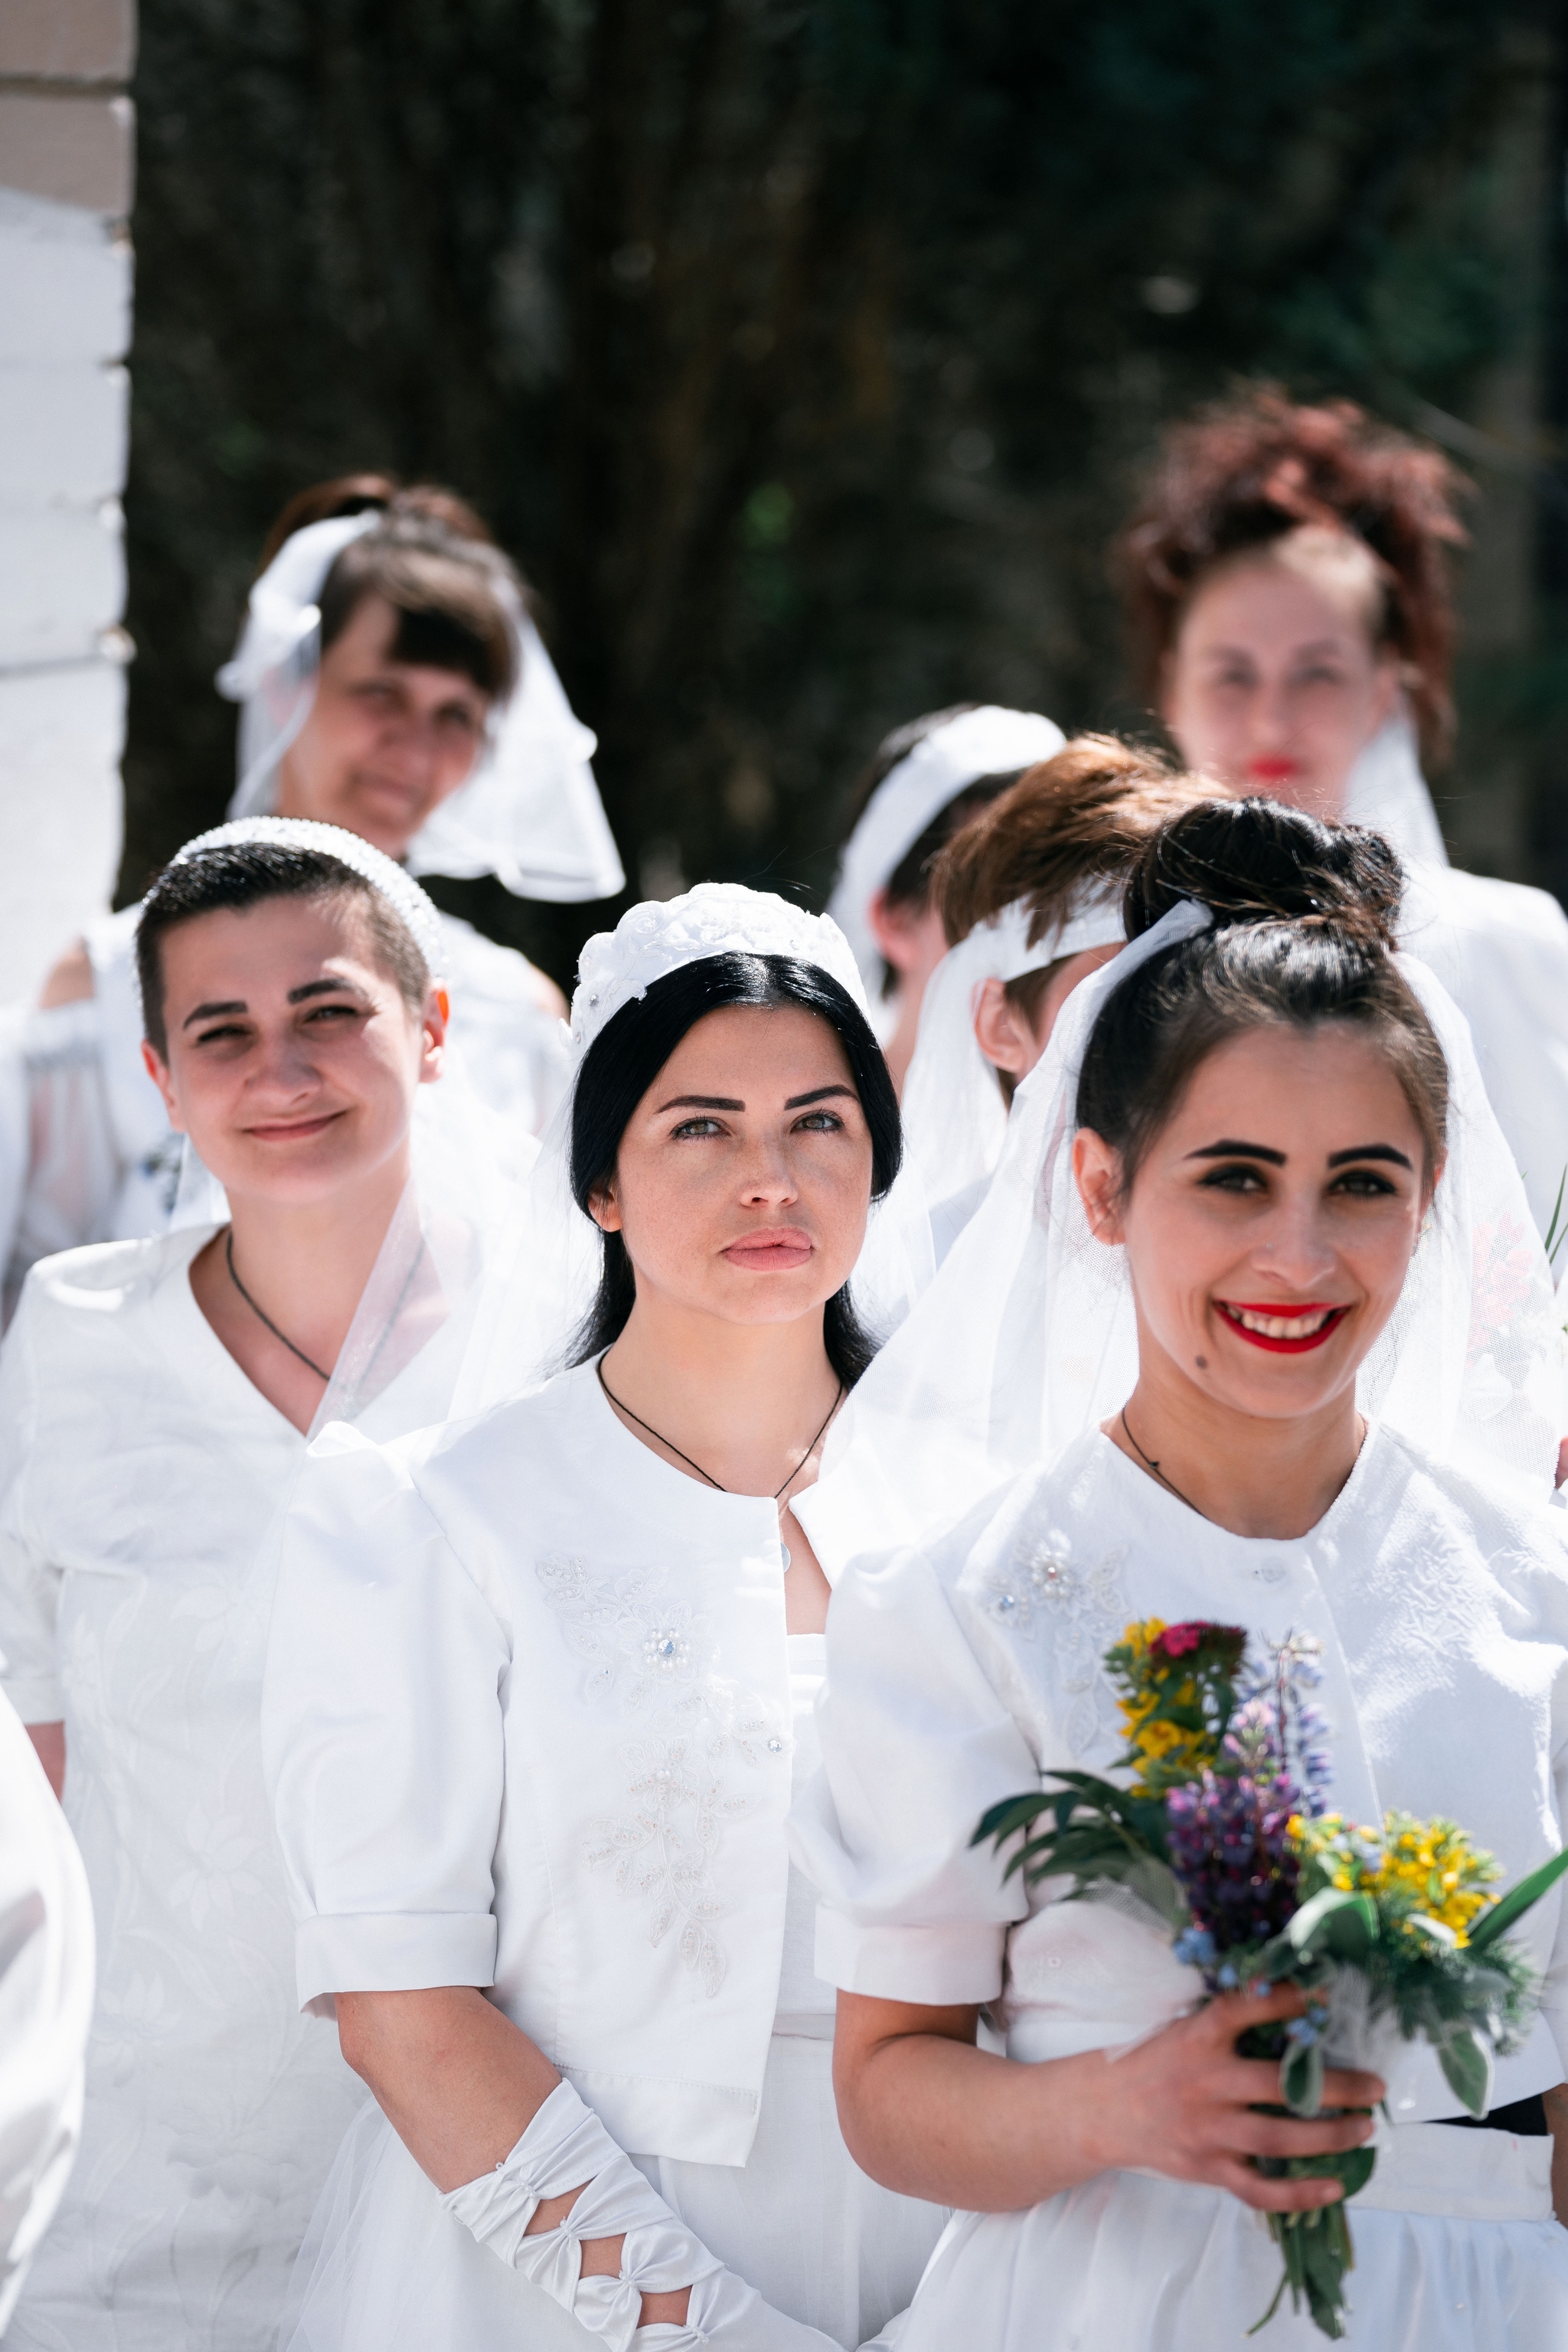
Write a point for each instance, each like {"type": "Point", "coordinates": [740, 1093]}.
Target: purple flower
{"type": "Point", "coordinates": [1231, 1852]}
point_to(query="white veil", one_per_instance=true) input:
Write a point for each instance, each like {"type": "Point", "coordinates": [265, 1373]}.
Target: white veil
{"type": "Point", "coordinates": [546, 1268]}
{"type": "Point", "coordinates": [530, 811]}
{"type": "Point", "coordinates": [1388, 791]}
{"type": "Point", "coordinates": [1026, 1336]}
{"type": "Point", "coordinates": [954, 1118]}
{"type": "Point", "coordinates": [987, 742]}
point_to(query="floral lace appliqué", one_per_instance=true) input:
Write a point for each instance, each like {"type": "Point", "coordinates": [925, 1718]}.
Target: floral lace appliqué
{"type": "Point", "coordinates": [652, 1657]}
{"type": "Point", "coordinates": [1075, 1610]}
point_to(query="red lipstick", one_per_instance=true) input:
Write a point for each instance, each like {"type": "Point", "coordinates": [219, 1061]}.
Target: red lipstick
{"type": "Point", "coordinates": [1276, 1311]}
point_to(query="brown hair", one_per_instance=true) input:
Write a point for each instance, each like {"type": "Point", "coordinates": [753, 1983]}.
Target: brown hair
{"type": "Point", "coordinates": [1247, 471]}
{"type": "Point", "coordinates": [1304, 931]}
{"type": "Point", "coordinates": [1078, 818]}
{"type": "Point", "coordinates": [238, 874]}
{"type": "Point", "coordinates": [433, 561]}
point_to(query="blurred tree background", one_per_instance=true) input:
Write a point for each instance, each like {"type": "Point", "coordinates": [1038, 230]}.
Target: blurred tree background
{"type": "Point", "coordinates": [805, 354]}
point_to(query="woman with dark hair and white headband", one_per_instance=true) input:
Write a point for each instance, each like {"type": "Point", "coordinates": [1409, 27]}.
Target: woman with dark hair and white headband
{"type": "Point", "coordinates": [541, 1683]}
{"type": "Point", "coordinates": [155, 1400]}
{"type": "Point", "coordinates": [927, 780]}
{"type": "Point", "coordinates": [391, 682]}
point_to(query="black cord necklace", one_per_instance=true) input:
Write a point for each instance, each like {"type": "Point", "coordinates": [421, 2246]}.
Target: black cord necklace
{"type": "Point", "coordinates": [1151, 1464]}
{"type": "Point", "coordinates": [707, 1477]}
{"type": "Point", "coordinates": [261, 1312]}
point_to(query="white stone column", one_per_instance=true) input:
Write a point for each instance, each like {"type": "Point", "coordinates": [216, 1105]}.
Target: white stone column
{"type": "Point", "coordinates": [66, 165]}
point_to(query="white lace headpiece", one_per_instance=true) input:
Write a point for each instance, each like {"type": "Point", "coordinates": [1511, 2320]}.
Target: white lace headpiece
{"type": "Point", "coordinates": [544, 1282]}
{"type": "Point", "coordinates": [1027, 1336]}
{"type": "Point", "coordinates": [955, 1116]}
{"type": "Point", "coordinates": [530, 811]}
{"type": "Point", "coordinates": [714, 918]}
{"type": "Point", "coordinates": [989, 741]}
{"type": "Point", "coordinates": [408, 902]}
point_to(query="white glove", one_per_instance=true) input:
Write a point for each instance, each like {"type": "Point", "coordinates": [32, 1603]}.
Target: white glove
{"type": "Point", "coordinates": [566, 2145]}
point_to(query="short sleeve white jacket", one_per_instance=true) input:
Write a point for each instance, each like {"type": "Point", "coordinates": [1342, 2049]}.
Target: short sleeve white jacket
{"type": "Point", "coordinates": [527, 1724]}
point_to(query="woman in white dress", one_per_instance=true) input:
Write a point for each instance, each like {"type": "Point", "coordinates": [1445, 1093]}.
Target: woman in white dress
{"type": "Point", "coordinates": [1252, 1149]}
{"type": "Point", "coordinates": [927, 780]}
{"type": "Point", "coordinates": [392, 684]}
{"type": "Point", "coordinates": [1029, 896]}
{"type": "Point", "coordinates": [154, 1401]}
{"type": "Point", "coordinates": [1286, 581]}
{"type": "Point", "coordinates": [538, 1684]}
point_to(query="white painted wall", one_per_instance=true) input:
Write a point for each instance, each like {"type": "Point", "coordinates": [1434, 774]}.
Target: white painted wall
{"type": "Point", "coordinates": [65, 321]}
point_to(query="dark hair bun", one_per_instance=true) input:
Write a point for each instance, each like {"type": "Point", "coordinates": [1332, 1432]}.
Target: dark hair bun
{"type": "Point", "coordinates": [1257, 861]}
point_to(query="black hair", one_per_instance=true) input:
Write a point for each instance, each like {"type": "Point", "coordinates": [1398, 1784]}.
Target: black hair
{"type": "Point", "coordinates": [238, 874]}
{"type": "Point", "coordinates": [1304, 928]}
{"type": "Point", "coordinates": [628, 1055]}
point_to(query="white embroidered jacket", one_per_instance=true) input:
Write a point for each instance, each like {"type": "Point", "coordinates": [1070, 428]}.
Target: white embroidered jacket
{"type": "Point", "coordinates": [527, 1727]}
{"type": "Point", "coordinates": [959, 1676]}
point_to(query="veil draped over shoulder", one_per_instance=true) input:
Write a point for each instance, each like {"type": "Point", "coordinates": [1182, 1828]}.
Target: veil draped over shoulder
{"type": "Point", "coordinates": [1026, 1336]}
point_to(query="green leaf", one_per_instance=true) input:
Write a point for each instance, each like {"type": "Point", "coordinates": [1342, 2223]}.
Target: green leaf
{"type": "Point", "coordinates": [1302, 2077]}
{"type": "Point", "coordinates": [1466, 2063]}
{"type": "Point", "coordinates": [1336, 1922]}
{"type": "Point", "coordinates": [1514, 1906]}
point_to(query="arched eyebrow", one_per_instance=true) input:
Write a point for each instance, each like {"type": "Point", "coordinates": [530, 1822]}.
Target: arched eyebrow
{"type": "Point", "coordinates": [1370, 1151]}
{"type": "Point", "coordinates": [1231, 1150]}
{"type": "Point", "coordinates": [821, 1093]}
{"type": "Point", "coordinates": [324, 988]}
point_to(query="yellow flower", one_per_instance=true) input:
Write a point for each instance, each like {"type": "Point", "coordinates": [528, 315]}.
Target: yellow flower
{"type": "Point", "coordinates": [1158, 1739]}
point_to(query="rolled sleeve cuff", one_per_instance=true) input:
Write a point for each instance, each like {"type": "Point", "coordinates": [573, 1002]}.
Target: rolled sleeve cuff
{"type": "Point", "coordinates": [937, 1967]}
{"type": "Point", "coordinates": [392, 1952]}
{"type": "Point", "coordinates": [37, 1698]}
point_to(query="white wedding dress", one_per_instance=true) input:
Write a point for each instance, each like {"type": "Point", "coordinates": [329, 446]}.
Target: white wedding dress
{"type": "Point", "coordinates": [957, 1677]}
{"type": "Point", "coordinates": [533, 1719]}
{"type": "Point", "coordinates": [139, 1473]}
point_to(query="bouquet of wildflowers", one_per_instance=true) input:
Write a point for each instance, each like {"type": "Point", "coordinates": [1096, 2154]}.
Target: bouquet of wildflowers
{"type": "Point", "coordinates": [1223, 1830]}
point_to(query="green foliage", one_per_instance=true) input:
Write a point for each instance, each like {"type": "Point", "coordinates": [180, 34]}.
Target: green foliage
{"type": "Point", "coordinates": [801, 350]}
{"type": "Point", "coordinates": [1099, 1835]}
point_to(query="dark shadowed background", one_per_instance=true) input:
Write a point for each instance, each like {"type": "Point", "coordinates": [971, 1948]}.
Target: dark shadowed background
{"type": "Point", "coordinates": [804, 353]}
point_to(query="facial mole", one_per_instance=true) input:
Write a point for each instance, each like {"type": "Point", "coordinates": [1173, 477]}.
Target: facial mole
{"type": "Point", "coordinates": [1202, 1362]}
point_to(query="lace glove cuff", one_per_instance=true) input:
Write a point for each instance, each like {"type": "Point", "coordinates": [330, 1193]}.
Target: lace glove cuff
{"type": "Point", "coordinates": [566, 2145]}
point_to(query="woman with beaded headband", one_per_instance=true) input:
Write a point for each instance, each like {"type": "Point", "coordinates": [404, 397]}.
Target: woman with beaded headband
{"type": "Point", "coordinates": [391, 682]}
{"type": "Point", "coordinates": [157, 1397]}
{"type": "Point", "coordinates": [1219, 1313]}
{"type": "Point", "coordinates": [927, 779]}
{"type": "Point", "coordinates": [539, 1685]}
{"type": "Point", "coordinates": [1287, 579]}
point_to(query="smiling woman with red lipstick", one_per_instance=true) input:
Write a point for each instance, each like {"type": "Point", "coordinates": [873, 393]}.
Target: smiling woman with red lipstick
{"type": "Point", "coordinates": [1248, 1127]}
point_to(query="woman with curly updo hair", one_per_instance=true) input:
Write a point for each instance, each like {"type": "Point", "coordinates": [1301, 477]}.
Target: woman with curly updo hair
{"type": "Point", "coordinates": [1287, 580]}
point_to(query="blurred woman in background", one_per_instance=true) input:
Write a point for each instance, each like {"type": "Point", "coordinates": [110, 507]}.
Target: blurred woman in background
{"type": "Point", "coordinates": [927, 780]}
{"type": "Point", "coordinates": [391, 683]}
{"type": "Point", "coordinates": [1029, 896]}
{"type": "Point", "coordinates": [1287, 579]}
